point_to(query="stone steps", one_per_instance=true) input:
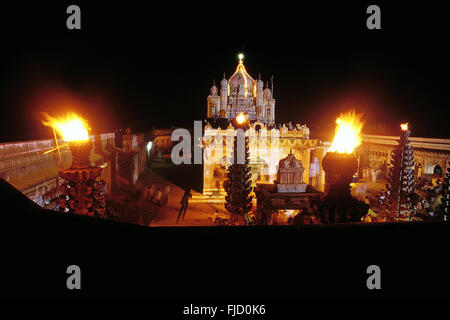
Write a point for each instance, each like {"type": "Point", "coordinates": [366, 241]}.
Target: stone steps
{"type": "Point", "coordinates": [208, 196]}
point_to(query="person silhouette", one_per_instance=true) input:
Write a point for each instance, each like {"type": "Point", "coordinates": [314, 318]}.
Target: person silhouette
{"type": "Point", "coordinates": [184, 204]}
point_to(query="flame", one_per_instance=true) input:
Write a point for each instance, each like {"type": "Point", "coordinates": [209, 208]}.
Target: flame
{"type": "Point", "coordinates": [70, 128]}
{"type": "Point", "coordinates": [404, 126]}
{"type": "Point", "coordinates": [241, 118]}
{"type": "Point", "coordinates": [289, 213]}
{"type": "Point", "coordinates": [347, 136]}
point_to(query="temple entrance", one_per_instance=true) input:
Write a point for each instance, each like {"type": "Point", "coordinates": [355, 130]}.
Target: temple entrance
{"type": "Point", "coordinates": [430, 168]}
{"type": "Point", "coordinates": [220, 173]}
{"type": "Point", "coordinates": [437, 170]}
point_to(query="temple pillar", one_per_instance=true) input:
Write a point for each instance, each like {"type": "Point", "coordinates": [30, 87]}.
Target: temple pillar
{"type": "Point", "coordinates": [208, 168]}
{"type": "Point", "coordinates": [306, 160]}
{"type": "Point", "coordinates": [320, 153]}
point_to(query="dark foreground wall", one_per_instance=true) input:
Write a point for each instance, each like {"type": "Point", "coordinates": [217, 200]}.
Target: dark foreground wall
{"type": "Point", "coordinates": [258, 263]}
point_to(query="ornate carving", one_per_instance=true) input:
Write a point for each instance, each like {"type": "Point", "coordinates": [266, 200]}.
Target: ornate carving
{"type": "Point", "coordinates": [290, 175]}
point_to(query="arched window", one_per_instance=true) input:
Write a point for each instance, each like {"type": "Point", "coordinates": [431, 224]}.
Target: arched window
{"type": "Point", "coordinates": [437, 170]}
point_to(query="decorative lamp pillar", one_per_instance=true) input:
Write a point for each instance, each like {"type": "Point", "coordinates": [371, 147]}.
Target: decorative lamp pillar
{"type": "Point", "coordinates": [80, 154]}
{"type": "Point", "coordinates": [81, 192]}
{"type": "Point", "coordinates": [85, 195]}
{"type": "Point", "coordinates": [400, 184]}
{"type": "Point", "coordinates": [238, 200]}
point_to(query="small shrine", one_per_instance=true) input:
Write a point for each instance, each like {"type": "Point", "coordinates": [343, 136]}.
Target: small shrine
{"type": "Point", "coordinates": [290, 175]}
{"type": "Point", "coordinates": [288, 196]}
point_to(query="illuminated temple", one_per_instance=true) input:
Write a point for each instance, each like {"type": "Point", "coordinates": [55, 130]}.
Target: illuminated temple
{"type": "Point", "coordinates": [242, 94]}
{"type": "Point", "coordinates": [266, 148]}
{"type": "Point", "coordinates": [269, 142]}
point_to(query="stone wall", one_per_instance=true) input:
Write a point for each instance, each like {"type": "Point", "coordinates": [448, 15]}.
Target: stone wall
{"type": "Point", "coordinates": [26, 167]}
{"type": "Point", "coordinates": [376, 151]}
{"type": "Point", "coordinates": [133, 160]}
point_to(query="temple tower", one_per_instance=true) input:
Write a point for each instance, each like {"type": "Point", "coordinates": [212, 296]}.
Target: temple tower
{"type": "Point", "coordinates": [242, 94]}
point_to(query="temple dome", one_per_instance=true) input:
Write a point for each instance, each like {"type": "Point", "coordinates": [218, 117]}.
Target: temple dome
{"type": "Point", "coordinates": [241, 74]}
{"type": "Point", "coordinates": [290, 162]}
{"type": "Point", "coordinates": [260, 83]}
{"type": "Point", "coordinates": [223, 82]}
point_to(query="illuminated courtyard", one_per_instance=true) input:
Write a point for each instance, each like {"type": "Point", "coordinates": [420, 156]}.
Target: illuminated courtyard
{"type": "Point", "coordinates": [228, 160]}
{"type": "Point", "coordinates": [131, 178]}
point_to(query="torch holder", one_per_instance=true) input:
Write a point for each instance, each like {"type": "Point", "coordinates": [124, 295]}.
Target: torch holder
{"type": "Point", "coordinates": [338, 205]}
{"type": "Point", "coordinates": [81, 169]}
{"type": "Point", "coordinates": [339, 169]}
{"type": "Point", "coordinates": [86, 195]}
{"type": "Point", "coordinates": [80, 154]}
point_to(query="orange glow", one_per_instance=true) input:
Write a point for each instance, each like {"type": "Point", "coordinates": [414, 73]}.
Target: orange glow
{"type": "Point", "coordinates": [404, 126]}
{"type": "Point", "coordinates": [289, 213]}
{"type": "Point", "coordinates": [241, 68]}
{"type": "Point", "coordinates": [347, 136]}
{"type": "Point", "coordinates": [70, 128]}
{"type": "Point", "coordinates": [241, 118]}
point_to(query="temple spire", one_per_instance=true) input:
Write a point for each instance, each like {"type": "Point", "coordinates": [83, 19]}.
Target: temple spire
{"type": "Point", "coordinates": [271, 81]}
{"type": "Point", "coordinates": [241, 57]}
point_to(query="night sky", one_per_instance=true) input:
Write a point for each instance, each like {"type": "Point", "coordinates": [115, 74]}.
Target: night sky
{"type": "Point", "coordinates": [140, 65]}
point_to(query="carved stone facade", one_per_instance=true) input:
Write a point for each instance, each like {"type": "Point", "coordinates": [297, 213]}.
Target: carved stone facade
{"type": "Point", "coordinates": [266, 148]}
{"type": "Point", "coordinates": [375, 153]}
{"type": "Point", "coordinates": [290, 175]}
{"type": "Point", "coordinates": [242, 94]}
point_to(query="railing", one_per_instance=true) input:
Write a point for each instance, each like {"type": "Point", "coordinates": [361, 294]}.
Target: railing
{"type": "Point", "coordinates": [416, 142]}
